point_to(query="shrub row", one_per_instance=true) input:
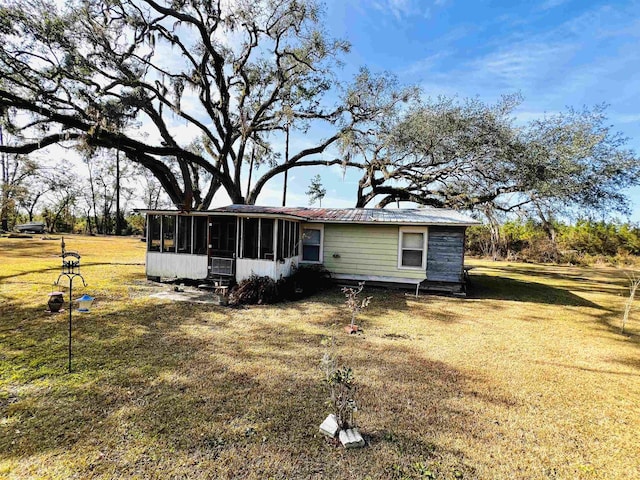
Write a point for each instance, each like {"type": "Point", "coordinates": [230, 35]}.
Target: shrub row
{"type": "Point", "coordinates": [305, 281]}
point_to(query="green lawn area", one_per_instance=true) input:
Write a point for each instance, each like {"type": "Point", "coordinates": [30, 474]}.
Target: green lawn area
{"type": "Point", "coordinates": [528, 377]}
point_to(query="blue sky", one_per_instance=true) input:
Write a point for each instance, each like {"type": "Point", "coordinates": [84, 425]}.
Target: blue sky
{"type": "Point", "coordinates": [556, 53]}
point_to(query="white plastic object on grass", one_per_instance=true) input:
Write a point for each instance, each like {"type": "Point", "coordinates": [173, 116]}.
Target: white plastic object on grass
{"type": "Point", "coordinates": [351, 438]}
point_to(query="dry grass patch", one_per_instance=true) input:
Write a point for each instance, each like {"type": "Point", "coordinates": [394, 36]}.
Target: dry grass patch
{"type": "Point", "coordinates": [527, 378]}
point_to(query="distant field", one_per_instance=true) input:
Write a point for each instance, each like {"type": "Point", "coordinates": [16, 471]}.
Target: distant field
{"type": "Point", "coordinates": [529, 377]}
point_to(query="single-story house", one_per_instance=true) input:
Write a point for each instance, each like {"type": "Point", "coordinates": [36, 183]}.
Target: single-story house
{"type": "Point", "coordinates": [413, 247]}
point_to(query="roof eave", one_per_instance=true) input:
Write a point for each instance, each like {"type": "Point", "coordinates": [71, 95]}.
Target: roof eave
{"type": "Point", "coordinates": [216, 213]}
{"type": "Point", "coordinates": [301, 218]}
{"type": "Point", "coordinates": [425, 224]}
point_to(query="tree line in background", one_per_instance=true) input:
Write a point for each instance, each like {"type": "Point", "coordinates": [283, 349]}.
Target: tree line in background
{"type": "Point", "coordinates": [87, 198]}
{"type": "Point", "coordinates": [244, 79]}
{"type": "Point", "coordinates": [582, 242]}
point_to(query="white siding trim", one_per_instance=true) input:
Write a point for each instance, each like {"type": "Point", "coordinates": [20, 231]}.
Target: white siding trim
{"type": "Point", "coordinates": [245, 267]}
{"type": "Point", "coordinates": [275, 240]}
{"type": "Point", "coordinates": [192, 236]}
{"type": "Point", "coordinates": [177, 265]}
{"type": "Point", "coordinates": [378, 278]}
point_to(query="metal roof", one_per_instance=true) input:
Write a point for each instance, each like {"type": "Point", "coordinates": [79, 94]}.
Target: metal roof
{"type": "Point", "coordinates": [416, 216]}
{"type": "Point", "coordinates": [404, 216]}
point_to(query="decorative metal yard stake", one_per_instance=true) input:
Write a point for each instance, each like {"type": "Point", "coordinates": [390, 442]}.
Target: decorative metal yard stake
{"type": "Point", "coordinates": [71, 270]}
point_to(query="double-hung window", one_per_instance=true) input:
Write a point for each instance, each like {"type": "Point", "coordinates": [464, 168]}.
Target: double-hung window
{"type": "Point", "coordinates": [412, 248]}
{"type": "Point", "coordinates": [312, 244]}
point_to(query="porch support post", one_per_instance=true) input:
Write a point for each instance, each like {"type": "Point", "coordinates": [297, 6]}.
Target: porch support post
{"type": "Point", "coordinates": [259, 237]}
{"type": "Point", "coordinates": [161, 233]}
{"type": "Point", "coordinates": [238, 236]}
{"type": "Point", "coordinates": [191, 247]}
{"type": "Point", "coordinates": [275, 239]}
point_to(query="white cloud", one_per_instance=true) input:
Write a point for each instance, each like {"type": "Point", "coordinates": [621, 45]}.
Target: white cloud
{"type": "Point", "coordinates": [550, 4]}
{"type": "Point", "coordinates": [627, 118]}
{"type": "Point", "coordinates": [576, 62]}
{"type": "Point", "coordinates": [525, 116]}
{"type": "Point", "coordinates": [423, 65]}
{"type": "Point", "coordinates": [522, 65]}
{"type": "Point", "coordinates": [402, 9]}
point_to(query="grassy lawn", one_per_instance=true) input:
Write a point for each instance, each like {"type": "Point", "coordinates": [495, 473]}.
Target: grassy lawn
{"type": "Point", "coordinates": [529, 377]}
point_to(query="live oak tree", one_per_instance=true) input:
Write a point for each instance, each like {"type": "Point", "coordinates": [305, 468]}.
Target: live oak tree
{"type": "Point", "coordinates": [468, 154]}
{"type": "Point", "coordinates": [440, 153]}
{"type": "Point", "coordinates": [572, 163]}
{"type": "Point", "coordinates": [216, 87]}
{"type": "Point", "coordinates": [575, 162]}
{"type": "Point", "coordinates": [233, 75]}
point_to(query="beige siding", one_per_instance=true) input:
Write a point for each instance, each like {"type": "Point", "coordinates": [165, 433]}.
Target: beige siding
{"type": "Point", "coordinates": [364, 250]}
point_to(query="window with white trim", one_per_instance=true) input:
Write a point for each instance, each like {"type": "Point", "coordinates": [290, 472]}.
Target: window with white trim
{"type": "Point", "coordinates": [412, 248]}
{"type": "Point", "coordinates": [312, 244]}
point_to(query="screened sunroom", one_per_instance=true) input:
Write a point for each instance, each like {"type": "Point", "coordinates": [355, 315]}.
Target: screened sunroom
{"type": "Point", "coordinates": [201, 245]}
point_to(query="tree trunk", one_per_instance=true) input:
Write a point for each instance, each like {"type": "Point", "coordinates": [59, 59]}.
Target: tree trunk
{"type": "Point", "coordinates": [286, 172]}
{"type": "Point", "coordinates": [550, 229]}
{"type": "Point", "coordinates": [253, 158]}
{"type": "Point", "coordinates": [105, 223]}
{"type": "Point", "coordinates": [118, 214]}
{"type": "Point", "coordinates": [56, 217]}
{"type": "Point", "coordinates": [31, 213]}
{"type": "Point", "coordinates": [93, 198]}
{"type": "Point", "coordinates": [89, 226]}
{"type": "Point", "coordinates": [32, 207]}
{"type": "Point", "coordinates": [494, 233]}
{"type": "Point", "coordinates": [4, 220]}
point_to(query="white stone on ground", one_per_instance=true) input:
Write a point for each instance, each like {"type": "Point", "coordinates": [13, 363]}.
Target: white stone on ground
{"type": "Point", "coordinates": [351, 438]}
{"type": "Point", "coordinates": [329, 427]}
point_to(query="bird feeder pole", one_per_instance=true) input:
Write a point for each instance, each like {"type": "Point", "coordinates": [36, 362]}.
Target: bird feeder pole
{"type": "Point", "coordinates": [71, 270]}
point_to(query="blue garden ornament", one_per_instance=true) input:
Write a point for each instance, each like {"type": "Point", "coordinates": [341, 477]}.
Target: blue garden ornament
{"type": "Point", "coordinates": [84, 303]}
